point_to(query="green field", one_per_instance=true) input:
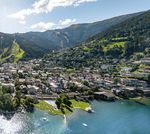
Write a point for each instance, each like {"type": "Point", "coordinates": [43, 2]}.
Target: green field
{"type": "Point", "coordinates": [80, 104]}
{"type": "Point", "coordinates": [42, 105]}
{"type": "Point", "coordinates": [142, 100]}
{"type": "Point", "coordinates": [120, 45]}
{"type": "Point", "coordinates": [15, 53]}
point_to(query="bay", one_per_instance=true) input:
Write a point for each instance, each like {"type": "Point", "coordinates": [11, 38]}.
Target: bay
{"type": "Point", "coordinates": [121, 117]}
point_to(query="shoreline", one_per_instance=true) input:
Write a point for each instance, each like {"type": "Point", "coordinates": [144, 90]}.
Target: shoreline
{"type": "Point", "coordinates": [139, 100]}
{"type": "Point", "coordinates": [20, 109]}
{"type": "Point", "coordinates": [103, 111]}
{"type": "Point", "coordinates": [42, 105]}
{"type": "Point", "coordinates": [9, 114]}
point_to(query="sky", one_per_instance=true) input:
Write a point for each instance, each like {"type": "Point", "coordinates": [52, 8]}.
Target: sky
{"type": "Point", "coordinates": [40, 15]}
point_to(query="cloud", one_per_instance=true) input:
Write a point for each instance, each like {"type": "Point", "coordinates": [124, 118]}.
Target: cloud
{"type": "Point", "coordinates": [43, 26]}
{"type": "Point", "coordinates": [67, 22]}
{"type": "Point", "coordinates": [23, 22]}
{"type": "Point", "coordinates": [50, 25]}
{"type": "Point", "coordinates": [83, 1]}
{"type": "Point", "coordinates": [22, 14]}
{"type": "Point", "coordinates": [45, 6]}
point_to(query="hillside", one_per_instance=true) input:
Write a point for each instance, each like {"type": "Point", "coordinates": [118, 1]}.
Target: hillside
{"type": "Point", "coordinates": [36, 44]}
{"type": "Point", "coordinates": [12, 54]}
{"type": "Point", "coordinates": [127, 40]}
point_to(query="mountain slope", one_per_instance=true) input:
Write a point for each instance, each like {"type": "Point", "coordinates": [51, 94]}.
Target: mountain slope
{"type": "Point", "coordinates": [12, 54]}
{"type": "Point", "coordinates": [74, 34]}
{"type": "Point", "coordinates": [123, 40]}
{"type": "Point", "coordinates": [36, 44]}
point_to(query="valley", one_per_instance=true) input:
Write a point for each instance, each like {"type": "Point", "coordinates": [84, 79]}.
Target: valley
{"type": "Point", "coordinates": [75, 67]}
{"type": "Point", "coordinates": [113, 64]}
{"type": "Point", "coordinates": [38, 44]}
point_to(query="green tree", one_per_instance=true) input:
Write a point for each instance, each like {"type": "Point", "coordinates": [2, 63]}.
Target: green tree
{"type": "Point", "coordinates": [148, 79]}
{"type": "Point", "coordinates": [73, 87]}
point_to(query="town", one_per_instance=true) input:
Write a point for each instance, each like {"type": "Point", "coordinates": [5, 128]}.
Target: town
{"type": "Point", "coordinates": [46, 83]}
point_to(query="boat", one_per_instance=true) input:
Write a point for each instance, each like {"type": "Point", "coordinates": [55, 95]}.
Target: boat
{"type": "Point", "coordinates": [84, 124]}
{"type": "Point", "coordinates": [44, 119]}
{"type": "Point", "coordinates": [92, 111]}
{"type": "Point", "coordinates": [89, 110]}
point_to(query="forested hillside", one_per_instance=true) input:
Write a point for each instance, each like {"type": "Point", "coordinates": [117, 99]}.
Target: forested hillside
{"type": "Point", "coordinates": [36, 44]}
{"type": "Point", "coordinates": [126, 40]}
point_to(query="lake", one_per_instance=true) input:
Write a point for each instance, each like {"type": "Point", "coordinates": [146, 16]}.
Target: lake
{"type": "Point", "coordinates": [121, 117]}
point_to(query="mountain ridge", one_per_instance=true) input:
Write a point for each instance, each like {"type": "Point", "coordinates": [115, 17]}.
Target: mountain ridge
{"type": "Point", "coordinates": [127, 40]}
{"type": "Point", "coordinates": [37, 44]}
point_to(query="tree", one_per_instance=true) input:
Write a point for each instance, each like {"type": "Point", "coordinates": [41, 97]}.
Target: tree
{"type": "Point", "coordinates": [18, 97]}
{"type": "Point", "coordinates": [73, 87]}
{"type": "Point", "coordinates": [116, 80]}
{"type": "Point", "coordinates": [63, 102]}
{"type": "Point", "coordinates": [58, 102]}
{"type": "Point", "coordinates": [86, 83]}
{"type": "Point", "coordinates": [66, 101]}
{"type": "Point", "coordinates": [148, 79]}
{"type": "Point", "coordinates": [28, 103]}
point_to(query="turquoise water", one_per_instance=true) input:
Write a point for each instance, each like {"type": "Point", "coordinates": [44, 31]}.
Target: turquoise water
{"type": "Point", "coordinates": [109, 118]}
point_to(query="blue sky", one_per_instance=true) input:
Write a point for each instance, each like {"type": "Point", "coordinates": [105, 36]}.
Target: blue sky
{"type": "Point", "coordinates": [41, 15]}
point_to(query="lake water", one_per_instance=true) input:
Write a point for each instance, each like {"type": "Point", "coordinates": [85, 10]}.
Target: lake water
{"type": "Point", "coordinates": [109, 118]}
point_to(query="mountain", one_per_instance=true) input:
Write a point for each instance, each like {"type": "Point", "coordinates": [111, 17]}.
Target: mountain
{"type": "Point", "coordinates": [36, 44]}
{"type": "Point", "coordinates": [127, 40]}
{"type": "Point", "coordinates": [12, 53]}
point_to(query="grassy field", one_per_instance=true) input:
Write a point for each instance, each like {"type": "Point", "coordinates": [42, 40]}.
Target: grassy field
{"type": "Point", "coordinates": [142, 100]}
{"type": "Point", "coordinates": [113, 45]}
{"type": "Point", "coordinates": [86, 49]}
{"type": "Point", "coordinates": [18, 53]}
{"type": "Point", "coordinates": [42, 105]}
{"type": "Point", "coordinates": [80, 104]}
{"type": "Point", "coordinates": [13, 51]}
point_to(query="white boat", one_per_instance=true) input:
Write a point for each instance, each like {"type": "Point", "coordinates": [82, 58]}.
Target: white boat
{"type": "Point", "coordinates": [44, 119]}
{"type": "Point", "coordinates": [84, 124]}
{"type": "Point", "coordinates": [89, 110]}
{"type": "Point", "coordinates": [92, 111]}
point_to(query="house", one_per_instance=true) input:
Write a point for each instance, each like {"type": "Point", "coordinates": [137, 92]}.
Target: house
{"type": "Point", "coordinates": [107, 96]}
{"type": "Point", "coordinates": [108, 84]}
{"type": "Point", "coordinates": [125, 71]}
{"type": "Point", "coordinates": [106, 67]}
{"type": "Point", "coordinates": [146, 61]}
{"type": "Point", "coordinates": [55, 87]}
{"type": "Point", "coordinates": [23, 89]}
{"type": "Point", "coordinates": [144, 91]}
{"type": "Point", "coordinates": [32, 89]}
{"type": "Point", "coordinates": [134, 82]}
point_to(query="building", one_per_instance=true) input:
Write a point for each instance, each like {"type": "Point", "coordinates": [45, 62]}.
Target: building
{"type": "Point", "coordinates": [107, 96]}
